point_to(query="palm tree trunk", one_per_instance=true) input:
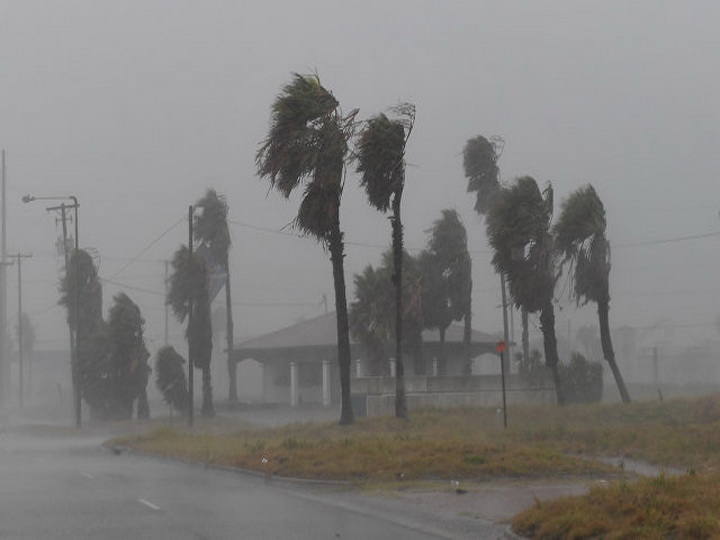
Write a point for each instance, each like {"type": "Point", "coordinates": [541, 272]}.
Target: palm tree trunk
{"type": "Point", "coordinates": [547, 325]}
{"type": "Point", "coordinates": [607, 347]}
{"type": "Point", "coordinates": [397, 234]}
{"type": "Point", "coordinates": [207, 410]}
{"type": "Point", "coordinates": [337, 256]}
{"type": "Point", "coordinates": [525, 337]}
{"type": "Point", "coordinates": [232, 365]}
{"type": "Point", "coordinates": [442, 367]}
{"type": "Point", "coordinates": [467, 340]}
{"type": "Point", "coordinates": [143, 409]}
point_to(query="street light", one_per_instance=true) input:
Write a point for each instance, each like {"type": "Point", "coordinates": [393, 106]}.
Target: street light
{"type": "Point", "coordinates": [73, 337]}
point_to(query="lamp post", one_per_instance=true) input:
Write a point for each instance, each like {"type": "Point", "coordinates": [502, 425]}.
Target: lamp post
{"type": "Point", "coordinates": [74, 364]}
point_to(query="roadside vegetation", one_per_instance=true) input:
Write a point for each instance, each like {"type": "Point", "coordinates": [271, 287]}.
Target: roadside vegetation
{"type": "Point", "coordinates": [460, 443]}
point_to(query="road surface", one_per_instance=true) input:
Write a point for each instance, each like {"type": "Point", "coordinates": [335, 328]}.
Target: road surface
{"type": "Point", "coordinates": [72, 488]}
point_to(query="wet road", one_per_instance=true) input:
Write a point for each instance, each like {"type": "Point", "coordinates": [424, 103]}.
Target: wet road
{"type": "Point", "coordinates": [72, 488]}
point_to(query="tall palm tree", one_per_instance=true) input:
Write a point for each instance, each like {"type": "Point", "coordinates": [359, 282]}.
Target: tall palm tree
{"type": "Point", "coordinates": [308, 144]}
{"type": "Point", "coordinates": [518, 227]}
{"type": "Point", "coordinates": [188, 287]}
{"type": "Point", "coordinates": [210, 227]}
{"type": "Point", "coordinates": [381, 162]}
{"type": "Point", "coordinates": [580, 237]}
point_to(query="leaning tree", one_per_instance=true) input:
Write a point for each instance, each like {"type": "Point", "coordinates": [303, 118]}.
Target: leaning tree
{"type": "Point", "coordinates": [381, 163]}
{"type": "Point", "coordinates": [518, 227]}
{"type": "Point", "coordinates": [188, 293]}
{"type": "Point", "coordinates": [210, 228]}
{"type": "Point", "coordinates": [580, 237]}
{"type": "Point", "coordinates": [307, 145]}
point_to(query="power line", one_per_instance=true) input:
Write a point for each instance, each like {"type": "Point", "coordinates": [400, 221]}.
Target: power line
{"type": "Point", "coordinates": [146, 248]}
{"type": "Point", "coordinates": [669, 240]}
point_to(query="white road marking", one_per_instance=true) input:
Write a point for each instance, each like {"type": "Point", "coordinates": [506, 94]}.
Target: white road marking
{"type": "Point", "coordinates": [148, 504]}
{"type": "Point", "coordinates": [87, 475]}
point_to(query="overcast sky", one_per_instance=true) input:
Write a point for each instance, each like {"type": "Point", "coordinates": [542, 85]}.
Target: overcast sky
{"type": "Point", "coordinates": [136, 107]}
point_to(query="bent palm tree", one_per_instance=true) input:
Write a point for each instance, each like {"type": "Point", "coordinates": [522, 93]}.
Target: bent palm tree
{"type": "Point", "coordinates": [188, 287]}
{"type": "Point", "coordinates": [381, 161]}
{"type": "Point", "coordinates": [580, 236]}
{"type": "Point", "coordinates": [308, 144]}
{"type": "Point", "coordinates": [518, 228]}
{"type": "Point", "coordinates": [211, 228]}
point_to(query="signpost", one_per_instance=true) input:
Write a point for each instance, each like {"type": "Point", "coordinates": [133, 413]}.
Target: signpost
{"type": "Point", "coordinates": [501, 348]}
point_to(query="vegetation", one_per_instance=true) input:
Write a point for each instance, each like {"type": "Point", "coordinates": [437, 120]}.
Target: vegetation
{"type": "Point", "coordinates": [518, 227]}
{"type": "Point", "coordinates": [171, 380]}
{"type": "Point", "coordinates": [381, 162]}
{"type": "Point", "coordinates": [210, 229]}
{"type": "Point", "coordinates": [112, 358]}
{"type": "Point", "coordinates": [580, 237]}
{"type": "Point", "coordinates": [188, 298]}
{"type": "Point", "coordinates": [447, 279]}
{"type": "Point", "coordinates": [308, 144]}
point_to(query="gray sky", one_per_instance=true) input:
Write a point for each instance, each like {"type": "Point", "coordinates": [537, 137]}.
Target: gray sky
{"type": "Point", "coordinates": [137, 107]}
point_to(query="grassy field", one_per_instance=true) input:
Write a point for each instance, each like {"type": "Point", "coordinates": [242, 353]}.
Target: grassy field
{"type": "Point", "coordinates": [466, 444]}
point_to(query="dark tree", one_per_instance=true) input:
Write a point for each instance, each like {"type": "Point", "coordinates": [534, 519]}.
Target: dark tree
{"type": "Point", "coordinates": [307, 145]}
{"type": "Point", "coordinates": [580, 237]}
{"type": "Point", "coordinates": [381, 162]}
{"type": "Point", "coordinates": [518, 227]}
{"type": "Point", "coordinates": [188, 286]}
{"type": "Point", "coordinates": [171, 380]}
{"type": "Point", "coordinates": [210, 228]}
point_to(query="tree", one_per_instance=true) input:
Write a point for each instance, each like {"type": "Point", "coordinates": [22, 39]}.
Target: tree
{"type": "Point", "coordinates": [518, 228]}
{"type": "Point", "coordinates": [447, 279]}
{"type": "Point", "coordinates": [171, 380]}
{"type": "Point", "coordinates": [307, 145]}
{"type": "Point", "coordinates": [127, 358]}
{"type": "Point", "coordinates": [211, 229]}
{"type": "Point", "coordinates": [372, 313]}
{"type": "Point", "coordinates": [188, 291]}
{"type": "Point", "coordinates": [381, 162]}
{"type": "Point", "coordinates": [580, 237]}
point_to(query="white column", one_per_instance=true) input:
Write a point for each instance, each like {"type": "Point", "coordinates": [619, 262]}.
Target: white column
{"type": "Point", "coordinates": [326, 382]}
{"type": "Point", "coordinates": [294, 384]}
{"type": "Point", "coordinates": [392, 367]}
{"type": "Point", "coordinates": [358, 368]}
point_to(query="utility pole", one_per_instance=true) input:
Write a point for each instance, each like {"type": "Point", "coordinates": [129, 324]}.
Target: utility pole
{"type": "Point", "coordinates": [166, 304]}
{"type": "Point", "coordinates": [19, 257]}
{"type": "Point", "coordinates": [191, 366]}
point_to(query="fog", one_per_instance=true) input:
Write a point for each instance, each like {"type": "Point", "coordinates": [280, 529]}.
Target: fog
{"type": "Point", "coordinates": [137, 107]}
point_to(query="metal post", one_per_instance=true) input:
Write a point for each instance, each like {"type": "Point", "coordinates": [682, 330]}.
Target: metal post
{"type": "Point", "coordinates": [4, 368]}
{"type": "Point", "coordinates": [502, 371]}
{"type": "Point", "coordinates": [20, 257]}
{"type": "Point", "coordinates": [190, 318]}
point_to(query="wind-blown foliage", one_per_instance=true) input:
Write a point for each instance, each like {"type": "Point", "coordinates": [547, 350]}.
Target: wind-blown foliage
{"type": "Point", "coordinates": [447, 277]}
{"type": "Point", "coordinates": [308, 143]}
{"type": "Point", "coordinates": [480, 163]}
{"type": "Point", "coordinates": [518, 228]}
{"type": "Point", "coordinates": [381, 162]}
{"type": "Point", "coordinates": [580, 237]}
{"type": "Point", "coordinates": [188, 286]}
{"type": "Point", "coordinates": [210, 227]}
{"type": "Point", "coordinates": [171, 380]}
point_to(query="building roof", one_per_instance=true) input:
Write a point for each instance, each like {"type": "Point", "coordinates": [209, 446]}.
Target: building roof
{"type": "Point", "coordinates": [322, 332]}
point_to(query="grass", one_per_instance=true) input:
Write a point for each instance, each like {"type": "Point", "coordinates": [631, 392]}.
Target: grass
{"type": "Point", "coordinates": [466, 444]}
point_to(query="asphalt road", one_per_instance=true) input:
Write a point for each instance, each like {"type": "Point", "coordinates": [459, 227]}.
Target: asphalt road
{"type": "Point", "coordinates": [72, 488]}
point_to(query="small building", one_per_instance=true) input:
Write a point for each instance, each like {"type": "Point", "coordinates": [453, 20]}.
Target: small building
{"type": "Point", "coordinates": [298, 365]}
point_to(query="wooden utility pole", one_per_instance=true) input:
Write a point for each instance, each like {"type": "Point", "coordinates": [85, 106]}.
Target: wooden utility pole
{"type": "Point", "coordinates": [19, 257]}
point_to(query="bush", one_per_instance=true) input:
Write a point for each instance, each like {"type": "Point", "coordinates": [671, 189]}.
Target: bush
{"type": "Point", "coordinates": [171, 379]}
{"type": "Point", "coordinates": [582, 380]}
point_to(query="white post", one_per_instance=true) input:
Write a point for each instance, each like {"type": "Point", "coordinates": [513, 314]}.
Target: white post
{"type": "Point", "coordinates": [293, 384]}
{"type": "Point", "coordinates": [358, 368]}
{"type": "Point", "coordinates": [326, 382]}
{"type": "Point", "coordinates": [392, 368]}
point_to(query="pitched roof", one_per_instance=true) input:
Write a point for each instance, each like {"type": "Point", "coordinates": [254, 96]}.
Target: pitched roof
{"type": "Point", "coordinates": [322, 332]}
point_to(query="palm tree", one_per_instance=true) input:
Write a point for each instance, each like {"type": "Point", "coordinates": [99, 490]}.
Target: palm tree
{"type": "Point", "coordinates": [518, 227]}
{"type": "Point", "coordinates": [210, 227]}
{"type": "Point", "coordinates": [580, 237]}
{"type": "Point", "coordinates": [188, 290]}
{"type": "Point", "coordinates": [308, 144]}
{"type": "Point", "coordinates": [381, 162]}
